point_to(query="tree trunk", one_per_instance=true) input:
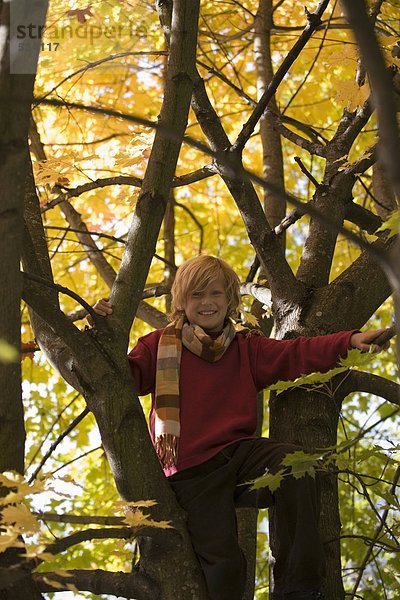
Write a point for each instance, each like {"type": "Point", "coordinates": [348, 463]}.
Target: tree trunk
{"type": "Point", "coordinates": [16, 92]}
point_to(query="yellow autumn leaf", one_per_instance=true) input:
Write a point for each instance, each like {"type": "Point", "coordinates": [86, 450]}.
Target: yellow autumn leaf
{"type": "Point", "coordinates": [21, 488]}
{"type": "Point", "coordinates": [20, 516]}
{"type": "Point", "coordinates": [12, 498]}
{"type": "Point", "coordinates": [49, 172]}
{"type": "Point", "coordinates": [36, 551]}
{"type": "Point", "coordinates": [347, 54]}
{"type": "Point", "coordinates": [159, 524]}
{"type": "Point", "coordinates": [55, 584]}
{"type": "Point", "coordinates": [352, 94]}
{"type": "Point", "coordinates": [252, 319]}
{"type": "Point", "coordinates": [138, 519]}
{"type": "Point", "coordinates": [62, 573]}
{"type": "Point", "coordinates": [10, 479]}
{"type": "Point", "coordinates": [9, 540]}
{"type": "Point", "coordinates": [135, 518]}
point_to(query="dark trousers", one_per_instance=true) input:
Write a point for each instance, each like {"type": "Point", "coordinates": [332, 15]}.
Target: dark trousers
{"type": "Point", "coordinates": [209, 493]}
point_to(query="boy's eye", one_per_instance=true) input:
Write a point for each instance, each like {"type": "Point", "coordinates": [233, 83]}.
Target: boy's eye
{"type": "Point", "coordinates": [196, 294]}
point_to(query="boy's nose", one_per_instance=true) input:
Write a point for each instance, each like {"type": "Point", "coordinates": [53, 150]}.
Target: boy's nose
{"type": "Point", "coordinates": [205, 301]}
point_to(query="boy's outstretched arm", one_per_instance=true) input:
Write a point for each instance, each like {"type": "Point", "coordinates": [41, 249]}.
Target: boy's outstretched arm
{"type": "Point", "coordinates": [362, 340]}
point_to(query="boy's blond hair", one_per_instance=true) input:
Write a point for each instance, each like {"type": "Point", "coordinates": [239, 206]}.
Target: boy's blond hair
{"type": "Point", "coordinates": [196, 274]}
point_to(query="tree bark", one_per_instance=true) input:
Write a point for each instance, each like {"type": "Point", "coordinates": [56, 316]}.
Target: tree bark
{"type": "Point", "coordinates": [273, 173]}
{"type": "Point", "coordinates": [16, 92]}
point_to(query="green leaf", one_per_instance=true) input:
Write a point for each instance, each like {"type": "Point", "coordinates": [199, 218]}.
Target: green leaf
{"type": "Point", "coordinates": [392, 224]}
{"type": "Point", "coordinates": [356, 358]}
{"type": "Point", "coordinates": [301, 463]}
{"type": "Point", "coordinates": [270, 480]}
{"type": "Point", "coordinates": [307, 380]}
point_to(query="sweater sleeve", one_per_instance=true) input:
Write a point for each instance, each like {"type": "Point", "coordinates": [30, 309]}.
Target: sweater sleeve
{"type": "Point", "coordinates": [286, 360]}
{"type": "Point", "coordinates": [142, 361]}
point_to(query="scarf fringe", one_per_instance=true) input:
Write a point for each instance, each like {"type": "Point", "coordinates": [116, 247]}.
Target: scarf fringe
{"type": "Point", "coordinates": [166, 446]}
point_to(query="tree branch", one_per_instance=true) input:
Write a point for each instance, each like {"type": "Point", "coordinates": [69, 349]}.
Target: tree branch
{"type": "Point", "coordinates": [62, 289]}
{"type": "Point", "coordinates": [266, 244]}
{"type": "Point", "coordinates": [124, 533]}
{"type": "Point", "coordinates": [362, 217]}
{"type": "Point", "coordinates": [385, 102]}
{"type": "Point", "coordinates": [178, 181]}
{"type": "Point", "coordinates": [79, 519]}
{"type": "Point", "coordinates": [360, 381]}
{"type": "Point", "coordinates": [350, 126]}
{"type": "Point", "coordinates": [259, 292]}
{"type": "Point", "coordinates": [56, 319]}
{"type": "Point", "coordinates": [35, 259]}
{"type": "Point", "coordinates": [127, 585]}
{"type": "Point", "coordinates": [335, 302]}
{"type": "Point", "coordinates": [313, 147]}
{"type": "Point", "coordinates": [306, 172]}
{"type": "Point", "coordinates": [243, 175]}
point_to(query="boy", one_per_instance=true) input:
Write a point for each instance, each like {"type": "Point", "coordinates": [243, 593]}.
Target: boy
{"type": "Point", "coordinates": [204, 378]}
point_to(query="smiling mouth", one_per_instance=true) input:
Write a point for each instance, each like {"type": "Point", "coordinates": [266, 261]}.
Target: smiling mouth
{"type": "Point", "coordinates": [207, 313]}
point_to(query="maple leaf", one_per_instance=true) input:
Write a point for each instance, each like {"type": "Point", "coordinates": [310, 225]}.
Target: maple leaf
{"type": "Point", "coordinates": [20, 516]}
{"type": "Point", "coordinates": [138, 519]}
{"type": "Point", "coordinates": [272, 481]}
{"type": "Point", "coordinates": [353, 94]}
{"type": "Point", "coordinates": [301, 463]}
{"type": "Point", "coordinates": [252, 319]}
{"type": "Point", "coordinates": [10, 479]}
{"type": "Point", "coordinates": [392, 224]}
{"type": "Point", "coordinates": [81, 14]}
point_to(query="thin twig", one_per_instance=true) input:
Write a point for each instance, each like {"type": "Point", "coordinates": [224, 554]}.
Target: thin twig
{"type": "Point", "coordinates": [62, 289]}
{"type": "Point", "coordinates": [58, 441]}
{"type": "Point", "coordinates": [306, 172]}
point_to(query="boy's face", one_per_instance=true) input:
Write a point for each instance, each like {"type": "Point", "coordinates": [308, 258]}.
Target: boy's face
{"type": "Point", "coordinates": [208, 307]}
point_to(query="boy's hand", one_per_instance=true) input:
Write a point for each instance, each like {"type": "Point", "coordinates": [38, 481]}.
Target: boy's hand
{"type": "Point", "coordinates": [102, 307]}
{"type": "Point", "coordinates": [364, 341]}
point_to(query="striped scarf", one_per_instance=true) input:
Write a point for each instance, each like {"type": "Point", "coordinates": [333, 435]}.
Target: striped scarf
{"type": "Point", "coordinates": [167, 401]}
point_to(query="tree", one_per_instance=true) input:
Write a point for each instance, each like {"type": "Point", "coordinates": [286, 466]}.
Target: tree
{"type": "Point", "coordinates": [206, 63]}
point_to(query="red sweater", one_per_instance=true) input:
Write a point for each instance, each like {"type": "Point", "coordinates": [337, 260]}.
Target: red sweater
{"type": "Point", "coordinates": [218, 401]}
